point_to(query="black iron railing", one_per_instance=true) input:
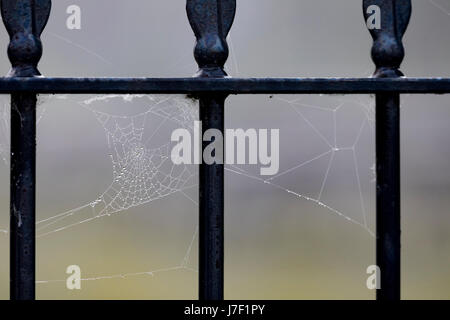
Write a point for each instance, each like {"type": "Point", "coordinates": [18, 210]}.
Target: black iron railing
{"type": "Point", "coordinates": [211, 21]}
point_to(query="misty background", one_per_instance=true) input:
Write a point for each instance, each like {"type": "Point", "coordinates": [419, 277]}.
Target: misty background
{"type": "Point", "coordinates": [306, 234]}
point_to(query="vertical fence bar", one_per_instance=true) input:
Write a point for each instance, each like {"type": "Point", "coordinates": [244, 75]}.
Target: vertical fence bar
{"type": "Point", "coordinates": [24, 20]}
{"type": "Point", "coordinates": [22, 193]}
{"type": "Point", "coordinates": [211, 205]}
{"type": "Point", "coordinates": [211, 21]}
{"type": "Point", "coordinates": [387, 21]}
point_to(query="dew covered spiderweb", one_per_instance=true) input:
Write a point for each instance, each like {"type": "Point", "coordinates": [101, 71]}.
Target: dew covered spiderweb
{"type": "Point", "coordinates": [308, 110]}
{"type": "Point", "coordinates": [142, 172]}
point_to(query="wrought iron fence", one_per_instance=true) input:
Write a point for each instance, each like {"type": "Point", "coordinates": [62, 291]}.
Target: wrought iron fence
{"type": "Point", "coordinates": [211, 21]}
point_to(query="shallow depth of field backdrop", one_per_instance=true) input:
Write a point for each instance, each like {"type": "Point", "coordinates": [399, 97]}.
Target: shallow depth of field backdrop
{"type": "Point", "coordinates": [304, 234]}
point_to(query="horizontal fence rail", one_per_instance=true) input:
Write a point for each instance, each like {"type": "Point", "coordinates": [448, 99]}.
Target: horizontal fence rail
{"type": "Point", "coordinates": [225, 85]}
{"type": "Point", "coordinates": [211, 21]}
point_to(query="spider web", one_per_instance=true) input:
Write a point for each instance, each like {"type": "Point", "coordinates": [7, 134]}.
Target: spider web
{"type": "Point", "coordinates": [141, 174]}
{"type": "Point", "coordinates": [442, 5]}
{"type": "Point", "coordinates": [297, 107]}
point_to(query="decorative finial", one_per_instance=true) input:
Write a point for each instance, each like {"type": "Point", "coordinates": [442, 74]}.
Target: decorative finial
{"type": "Point", "coordinates": [387, 34]}
{"type": "Point", "coordinates": [211, 21]}
{"type": "Point", "coordinates": [25, 20]}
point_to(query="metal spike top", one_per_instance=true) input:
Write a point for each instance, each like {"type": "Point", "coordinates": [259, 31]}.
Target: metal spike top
{"type": "Point", "coordinates": [25, 20]}
{"type": "Point", "coordinates": [388, 51]}
{"type": "Point", "coordinates": [211, 21]}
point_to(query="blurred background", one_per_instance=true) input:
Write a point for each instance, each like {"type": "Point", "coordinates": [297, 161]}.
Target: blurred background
{"type": "Point", "coordinates": [306, 233]}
